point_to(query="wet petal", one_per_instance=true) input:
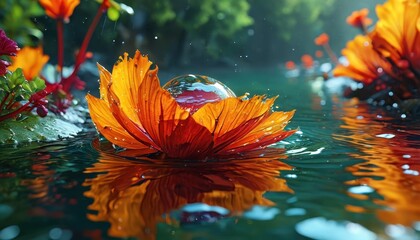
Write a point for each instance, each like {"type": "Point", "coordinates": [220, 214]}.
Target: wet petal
{"type": "Point", "coordinates": [104, 81]}
{"type": "Point", "coordinates": [108, 126]}
{"type": "Point", "coordinates": [228, 114]}
{"type": "Point", "coordinates": [169, 126]}
{"type": "Point", "coordinates": [269, 131]}
{"type": "Point", "coordinates": [127, 75]}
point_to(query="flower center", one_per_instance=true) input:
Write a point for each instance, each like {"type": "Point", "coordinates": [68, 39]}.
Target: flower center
{"type": "Point", "coordinates": [191, 92]}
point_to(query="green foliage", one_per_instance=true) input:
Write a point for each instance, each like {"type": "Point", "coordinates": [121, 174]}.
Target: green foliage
{"type": "Point", "coordinates": [33, 128]}
{"type": "Point", "coordinates": [285, 16]}
{"type": "Point", "coordinates": [15, 88]}
{"type": "Point", "coordinates": [225, 17]}
{"type": "Point", "coordinates": [16, 18]}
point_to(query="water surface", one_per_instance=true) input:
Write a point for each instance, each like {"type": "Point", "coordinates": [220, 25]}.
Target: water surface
{"type": "Point", "coordinates": [351, 172]}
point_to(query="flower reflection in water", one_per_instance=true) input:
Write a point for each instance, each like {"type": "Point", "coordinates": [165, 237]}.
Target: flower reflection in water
{"type": "Point", "coordinates": [392, 163]}
{"type": "Point", "coordinates": [134, 194]}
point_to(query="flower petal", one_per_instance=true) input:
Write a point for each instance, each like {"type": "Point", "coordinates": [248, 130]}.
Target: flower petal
{"type": "Point", "coordinates": [269, 131]}
{"type": "Point", "coordinates": [31, 60]}
{"type": "Point", "coordinates": [108, 126]}
{"type": "Point", "coordinates": [232, 118]}
{"type": "Point", "coordinates": [104, 81]}
{"type": "Point", "coordinates": [127, 76]}
{"type": "Point", "coordinates": [170, 127]}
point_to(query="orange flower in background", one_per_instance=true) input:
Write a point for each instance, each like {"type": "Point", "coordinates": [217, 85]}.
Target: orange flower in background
{"type": "Point", "coordinates": [397, 33]}
{"type": "Point", "coordinates": [364, 63]}
{"type": "Point", "coordinates": [59, 9]}
{"type": "Point", "coordinates": [359, 19]}
{"type": "Point", "coordinates": [307, 61]}
{"type": "Point", "coordinates": [322, 39]}
{"type": "Point", "coordinates": [387, 60]}
{"type": "Point", "coordinates": [31, 60]}
{"type": "Point", "coordinates": [290, 65]}
{"type": "Point", "coordinates": [319, 54]}
{"type": "Point", "coordinates": [134, 196]}
{"type": "Point", "coordinates": [134, 112]}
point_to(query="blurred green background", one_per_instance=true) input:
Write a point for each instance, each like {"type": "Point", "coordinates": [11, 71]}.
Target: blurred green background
{"type": "Point", "coordinates": [193, 33]}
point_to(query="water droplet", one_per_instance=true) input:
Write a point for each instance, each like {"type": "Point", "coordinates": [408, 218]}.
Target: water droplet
{"type": "Point", "coordinates": [386, 135]}
{"type": "Point", "coordinates": [403, 116]}
{"type": "Point", "coordinates": [193, 91]}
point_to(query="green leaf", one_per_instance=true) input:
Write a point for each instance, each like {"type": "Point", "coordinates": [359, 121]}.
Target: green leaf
{"type": "Point", "coordinates": [17, 78]}
{"type": "Point", "coordinates": [34, 128]}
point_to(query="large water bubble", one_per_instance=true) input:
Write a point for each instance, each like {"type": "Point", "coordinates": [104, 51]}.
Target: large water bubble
{"type": "Point", "coordinates": [193, 91]}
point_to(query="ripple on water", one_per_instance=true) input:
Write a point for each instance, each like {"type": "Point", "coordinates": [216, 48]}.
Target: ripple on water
{"type": "Point", "coordinates": [390, 154]}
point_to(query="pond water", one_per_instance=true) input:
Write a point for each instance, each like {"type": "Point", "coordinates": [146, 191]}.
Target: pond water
{"type": "Point", "coordinates": [350, 172]}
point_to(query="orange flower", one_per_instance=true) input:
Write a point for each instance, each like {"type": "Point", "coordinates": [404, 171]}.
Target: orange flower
{"type": "Point", "coordinates": [322, 39]}
{"type": "Point", "coordinates": [290, 65]}
{"type": "Point", "coordinates": [359, 18]}
{"type": "Point", "coordinates": [134, 112]}
{"type": "Point", "coordinates": [59, 9]}
{"type": "Point", "coordinates": [134, 196]}
{"type": "Point", "coordinates": [365, 64]}
{"type": "Point", "coordinates": [307, 61]}
{"type": "Point", "coordinates": [31, 60]}
{"type": "Point", "coordinates": [319, 54]}
{"type": "Point", "coordinates": [397, 33]}
{"type": "Point", "coordinates": [388, 58]}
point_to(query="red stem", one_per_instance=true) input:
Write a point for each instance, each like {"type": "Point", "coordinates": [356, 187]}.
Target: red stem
{"type": "Point", "coordinates": [60, 39]}
{"type": "Point", "coordinates": [16, 112]}
{"type": "Point", "coordinates": [4, 101]}
{"type": "Point", "coordinates": [11, 102]}
{"type": "Point", "coordinates": [81, 55]}
{"type": "Point", "coordinates": [330, 53]}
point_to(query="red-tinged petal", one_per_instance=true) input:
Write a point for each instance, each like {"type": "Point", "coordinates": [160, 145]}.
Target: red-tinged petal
{"type": "Point", "coordinates": [223, 116]}
{"type": "Point", "coordinates": [7, 45]}
{"type": "Point", "coordinates": [3, 67]}
{"type": "Point", "coordinates": [187, 140]}
{"type": "Point", "coordinates": [269, 131]}
{"type": "Point", "coordinates": [108, 126]}
{"type": "Point", "coordinates": [134, 129]}
{"type": "Point", "coordinates": [169, 126]}
{"type": "Point", "coordinates": [223, 141]}
{"type": "Point", "coordinates": [232, 118]}
{"type": "Point", "coordinates": [156, 105]}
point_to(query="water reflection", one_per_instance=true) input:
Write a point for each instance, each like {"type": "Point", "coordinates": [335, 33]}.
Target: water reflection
{"type": "Point", "coordinates": [392, 152]}
{"type": "Point", "coordinates": [133, 195]}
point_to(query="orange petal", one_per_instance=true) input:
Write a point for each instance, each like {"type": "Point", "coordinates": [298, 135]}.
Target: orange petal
{"type": "Point", "coordinates": [223, 116]}
{"type": "Point", "coordinates": [127, 75]}
{"type": "Point", "coordinates": [269, 131]}
{"type": "Point", "coordinates": [232, 118]}
{"type": "Point", "coordinates": [104, 81]}
{"type": "Point", "coordinates": [31, 60]}
{"type": "Point", "coordinates": [171, 128]}
{"type": "Point", "coordinates": [108, 126]}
